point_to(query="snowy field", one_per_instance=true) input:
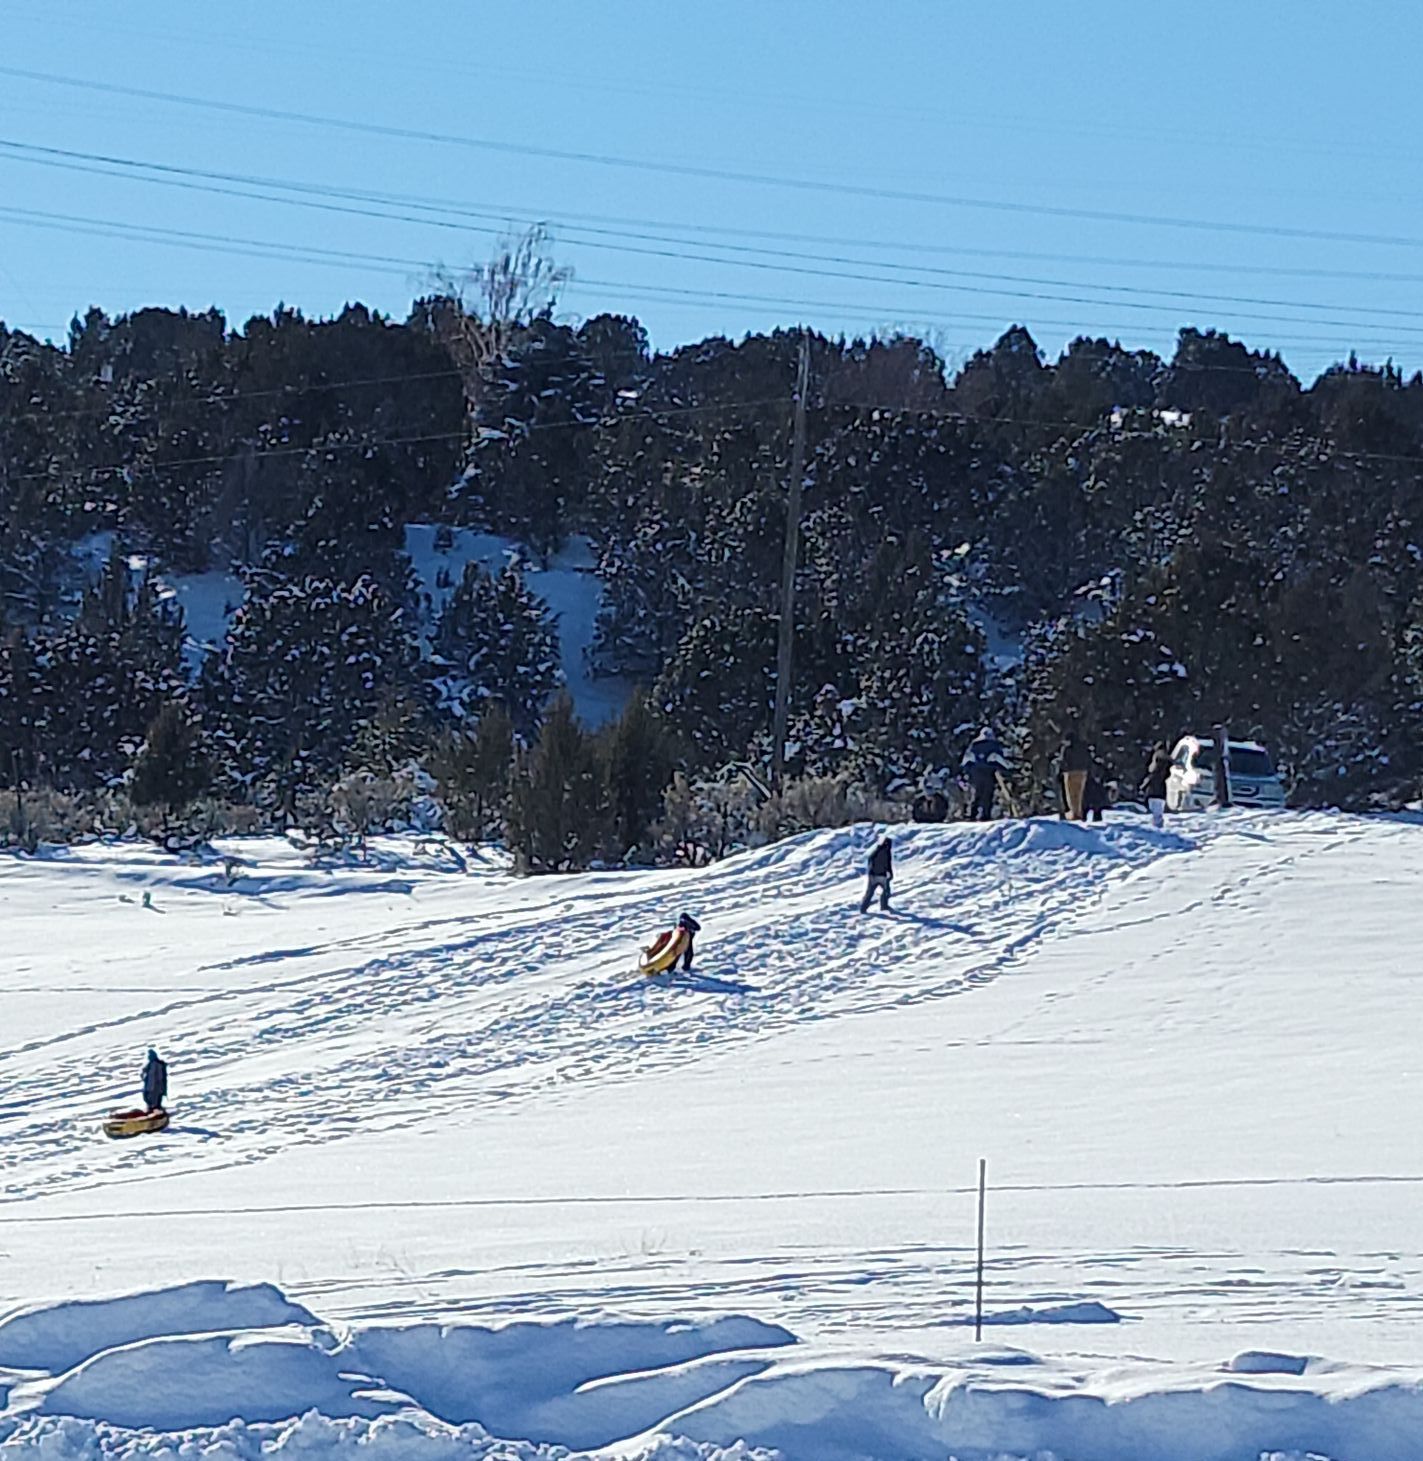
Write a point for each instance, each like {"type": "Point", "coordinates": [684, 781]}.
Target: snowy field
{"type": "Point", "coordinates": [441, 1168]}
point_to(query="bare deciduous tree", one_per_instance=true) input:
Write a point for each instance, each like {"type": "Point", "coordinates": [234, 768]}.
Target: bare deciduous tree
{"type": "Point", "coordinates": [479, 313]}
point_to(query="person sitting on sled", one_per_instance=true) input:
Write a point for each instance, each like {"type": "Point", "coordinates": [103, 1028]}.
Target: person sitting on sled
{"type": "Point", "coordinates": [661, 955]}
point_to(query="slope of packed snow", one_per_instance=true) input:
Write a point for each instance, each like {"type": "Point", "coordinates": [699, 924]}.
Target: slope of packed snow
{"type": "Point", "coordinates": [567, 583]}
{"type": "Point", "coordinates": [500, 1182]}
{"type": "Point", "coordinates": [208, 601]}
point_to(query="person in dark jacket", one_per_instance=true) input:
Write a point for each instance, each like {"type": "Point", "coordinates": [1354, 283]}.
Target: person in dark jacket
{"type": "Point", "coordinates": [983, 763]}
{"type": "Point", "coordinates": [691, 928]}
{"type": "Point", "coordinates": [881, 875]}
{"type": "Point", "coordinates": [1075, 766]}
{"type": "Point", "coordinates": [1153, 786]}
{"type": "Point", "coordinates": [155, 1082]}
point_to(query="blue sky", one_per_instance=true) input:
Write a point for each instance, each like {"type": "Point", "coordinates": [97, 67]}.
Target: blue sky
{"type": "Point", "coordinates": [1278, 137]}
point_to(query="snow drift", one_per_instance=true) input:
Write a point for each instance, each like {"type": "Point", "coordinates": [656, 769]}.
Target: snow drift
{"type": "Point", "coordinates": [723, 1388]}
{"type": "Point", "coordinates": [57, 1337]}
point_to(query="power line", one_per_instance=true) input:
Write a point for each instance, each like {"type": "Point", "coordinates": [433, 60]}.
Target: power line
{"type": "Point", "coordinates": [564, 217]}
{"type": "Point", "coordinates": [211, 242]}
{"type": "Point", "coordinates": [312, 254]}
{"type": "Point", "coordinates": [718, 174]}
{"type": "Point", "coordinates": [323, 198]}
{"type": "Point", "coordinates": [838, 105]}
{"type": "Point", "coordinates": [878, 312]}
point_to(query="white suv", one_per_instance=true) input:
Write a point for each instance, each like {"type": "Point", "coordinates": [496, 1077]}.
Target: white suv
{"type": "Point", "coordinates": [1254, 782]}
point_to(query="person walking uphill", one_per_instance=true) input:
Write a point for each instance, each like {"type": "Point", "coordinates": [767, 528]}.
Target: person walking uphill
{"type": "Point", "coordinates": [983, 763]}
{"type": "Point", "coordinates": [1153, 786]}
{"type": "Point", "coordinates": [881, 876]}
{"type": "Point", "coordinates": [155, 1082]}
{"type": "Point", "coordinates": [1076, 767]}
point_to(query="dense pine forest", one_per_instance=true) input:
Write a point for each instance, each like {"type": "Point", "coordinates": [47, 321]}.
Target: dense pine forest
{"type": "Point", "coordinates": [1112, 542]}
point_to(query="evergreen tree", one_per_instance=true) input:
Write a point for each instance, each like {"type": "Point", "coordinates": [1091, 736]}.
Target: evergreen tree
{"type": "Point", "coordinates": [307, 662]}
{"type": "Point", "coordinates": [87, 692]}
{"type": "Point", "coordinates": [396, 736]}
{"type": "Point", "coordinates": [1004, 385]}
{"type": "Point", "coordinates": [496, 641]}
{"type": "Point", "coordinates": [528, 467]}
{"type": "Point", "coordinates": [1218, 376]}
{"type": "Point", "coordinates": [472, 772]}
{"type": "Point", "coordinates": [22, 708]}
{"type": "Point", "coordinates": [352, 526]}
{"type": "Point", "coordinates": [172, 767]}
{"type": "Point", "coordinates": [719, 689]}
{"type": "Point", "coordinates": [556, 818]}
{"type": "Point", "coordinates": [638, 762]}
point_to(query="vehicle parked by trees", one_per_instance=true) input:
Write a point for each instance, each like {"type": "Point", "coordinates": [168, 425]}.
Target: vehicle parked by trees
{"type": "Point", "coordinates": [1254, 781]}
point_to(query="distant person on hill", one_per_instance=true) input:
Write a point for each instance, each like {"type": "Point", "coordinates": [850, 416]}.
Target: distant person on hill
{"type": "Point", "coordinates": [155, 1082]}
{"type": "Point", "coordinates": [691, 928]}
{"type": "Point", "coordinates": [983, 763]}
{"type": "Point", "coordinates": [1153, 786]}
{"type": "Point", "coordinates": [881, 875]}
{"type": "Point", "coordinates": [1075, 766]}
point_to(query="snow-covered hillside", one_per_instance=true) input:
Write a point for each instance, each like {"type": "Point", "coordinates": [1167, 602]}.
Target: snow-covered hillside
{"type": "Point", "coordinates": [567, 583]}
{"type": "Point", "coordinates": [483, 1176]}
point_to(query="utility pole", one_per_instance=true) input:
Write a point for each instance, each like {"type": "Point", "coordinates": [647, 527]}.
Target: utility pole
{"type": "Point", "coordinates": [1222, 766]}
{"type": "Point", "coordinates": [785, 648]}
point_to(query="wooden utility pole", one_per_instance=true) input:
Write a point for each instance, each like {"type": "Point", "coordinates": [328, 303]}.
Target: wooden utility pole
{"type": "Point", "coordinates": [785, 648]}
{"type": "Point", "coordinates": [1222, 766]}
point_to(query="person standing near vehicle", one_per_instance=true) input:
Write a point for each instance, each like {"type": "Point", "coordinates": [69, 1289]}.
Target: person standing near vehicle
{"type": "Point", "coordinates": [881, 875]}
{"type": "Point", "coordinates": [983, 763]}
{"type": "Point", "coordinates": [155, 1082]}
{"type": "Point", "coordinates": [1153, 786]}
{"type": "Point", "coordinates": [1075, 765]}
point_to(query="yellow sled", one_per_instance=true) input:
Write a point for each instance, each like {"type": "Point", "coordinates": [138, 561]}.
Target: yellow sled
{"type": "Point", "coordinates": [135, 1123]}
{"type": "Point", "coordinates": [660, 955]}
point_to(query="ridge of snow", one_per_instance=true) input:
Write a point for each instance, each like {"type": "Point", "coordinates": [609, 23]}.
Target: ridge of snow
{"type": "Point", "coordinates": [723, 1388]}
{"type": "Point", "coordinates": [58, 1337]}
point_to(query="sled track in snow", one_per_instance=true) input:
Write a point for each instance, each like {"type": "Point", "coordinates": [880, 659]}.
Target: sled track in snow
{"type": "Point", "coordinates": [531, 994]}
